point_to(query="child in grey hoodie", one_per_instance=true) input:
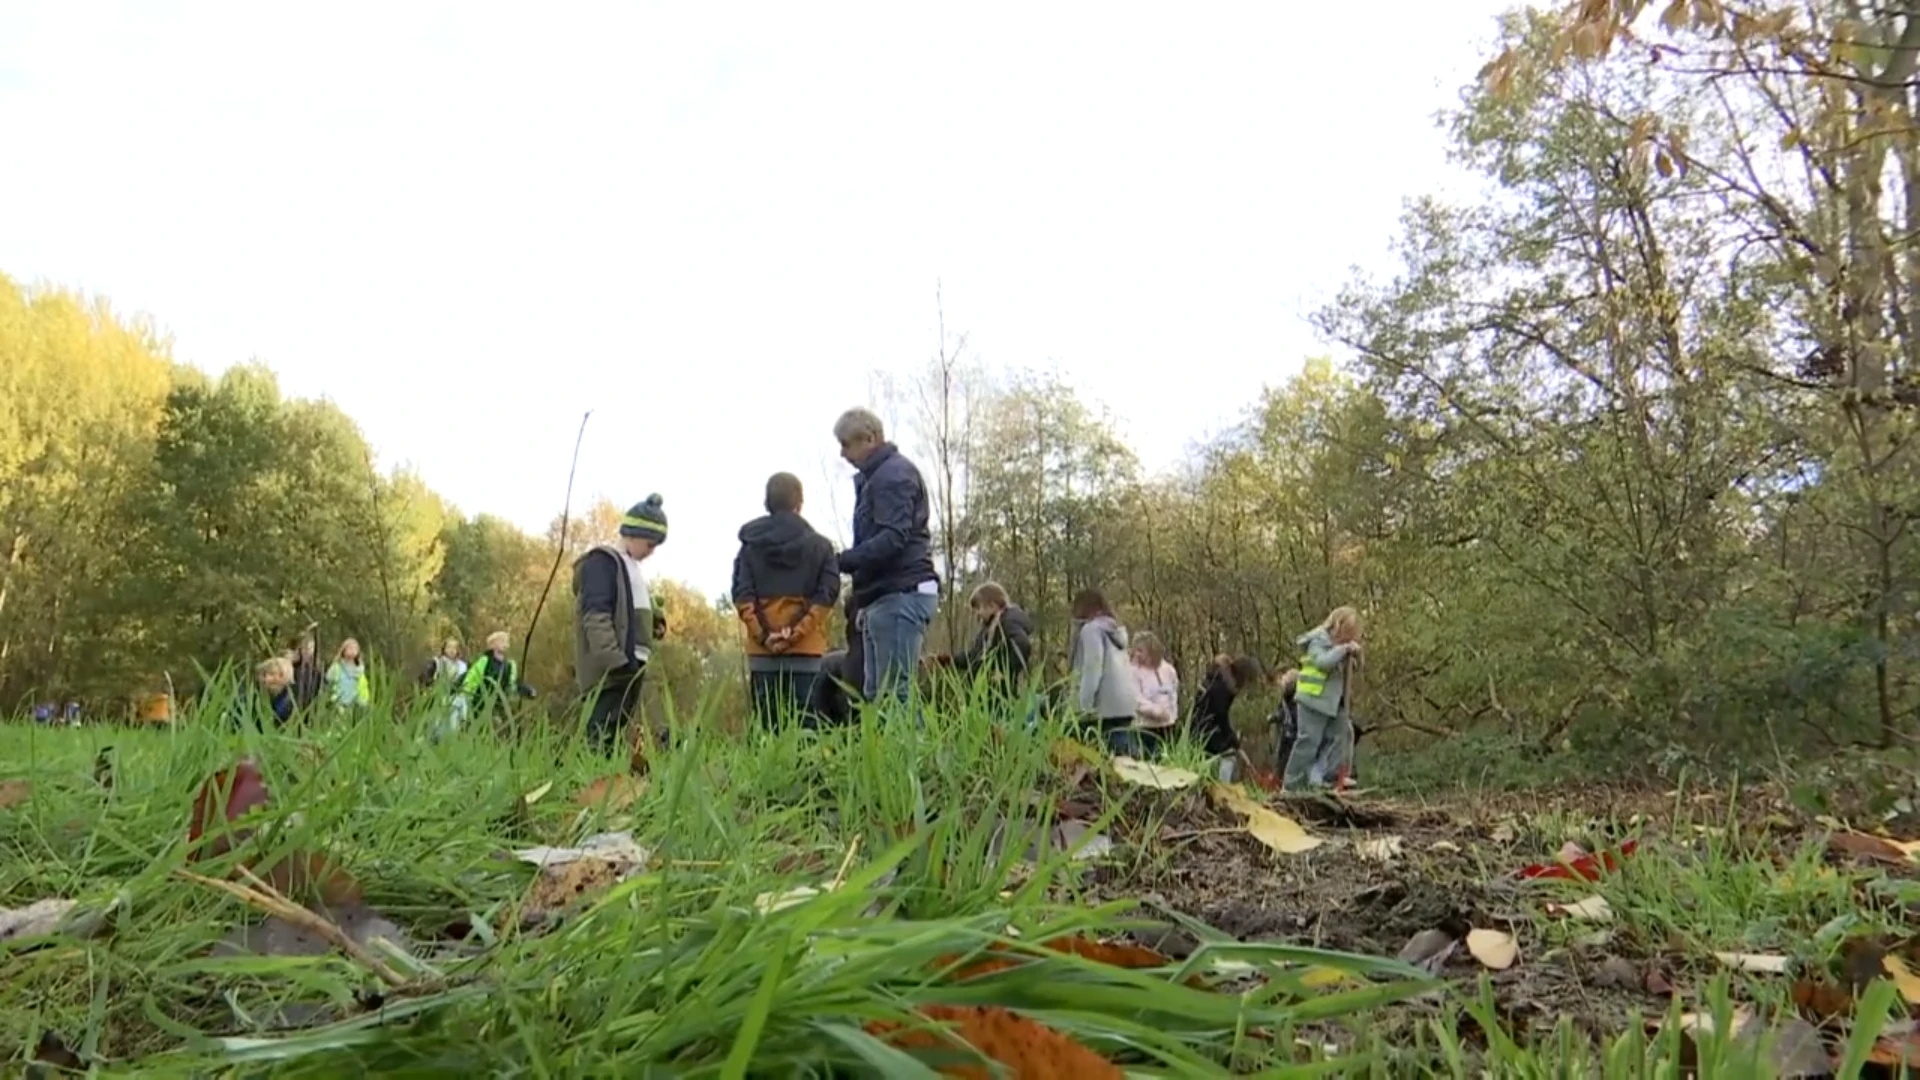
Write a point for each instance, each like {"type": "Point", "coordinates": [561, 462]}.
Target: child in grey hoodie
{"type": "Point", "coordinates": [1325, 725]}
{"type": "Point", "coordinates": [1106, 699]}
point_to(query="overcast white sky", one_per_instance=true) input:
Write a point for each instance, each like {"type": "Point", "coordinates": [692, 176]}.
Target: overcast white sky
{"type": "Point", "coordinates": [468, 222]}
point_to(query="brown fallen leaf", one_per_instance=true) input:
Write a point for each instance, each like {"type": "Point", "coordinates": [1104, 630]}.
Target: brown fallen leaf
{"type": "Point", "coordinates": [1025, 1048]}
{"type": "Point", "coordinates": [1868, 846]}
{"type": "Point", "coordinates": [1658, 984]}
{"type": "Point", "coordinates": [1897, 1049]}
{"type": "Point", "coordinates": [14, 792]}
{"type": "Point", "coordinates": [612, 793]}
{"type": "Point", "coordinates": [1495, 949]}
{"type": "Point", "coordinates": [1822, 1001]}
{"type": "Point", "coordinates": [1617, 973]}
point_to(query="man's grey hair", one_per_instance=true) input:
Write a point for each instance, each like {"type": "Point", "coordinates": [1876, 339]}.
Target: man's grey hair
{"type": "Point", "coordinates": [857, 423]}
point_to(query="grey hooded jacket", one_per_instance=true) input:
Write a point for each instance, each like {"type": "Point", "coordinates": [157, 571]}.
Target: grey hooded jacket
{"type": "Point", "coordinates": [1317, 650]}
{"type": "Point", "coordinates": [1098, 661]}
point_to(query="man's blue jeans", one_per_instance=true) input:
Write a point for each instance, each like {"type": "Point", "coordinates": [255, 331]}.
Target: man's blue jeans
{"type": "Point", "coordinates": [892, 629]}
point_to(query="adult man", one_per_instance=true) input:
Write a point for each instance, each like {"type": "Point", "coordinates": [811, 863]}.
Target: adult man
{"type": "Point", "coordinates": [891, 560]}
{"type": "Point", "coordinates": [785, 583]}
{"type": "Point", "coordinates": [616, 622]}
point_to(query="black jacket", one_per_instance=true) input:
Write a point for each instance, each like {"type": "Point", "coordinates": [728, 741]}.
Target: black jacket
{"type": "Point", "coordinates": [1213, 715]}
{"type": "Point", "coordinates": [306, 681]}
{"type": "Point", "coordinates": [892, 548]}
{"type": "Point", "coordinates": [1002, 647]}
{"type": "Point", "coordinates": [785, 575]}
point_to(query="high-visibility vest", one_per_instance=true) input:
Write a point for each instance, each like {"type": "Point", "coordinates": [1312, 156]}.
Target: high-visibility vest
{"type": "Point", "coordinates": [1312, 681]}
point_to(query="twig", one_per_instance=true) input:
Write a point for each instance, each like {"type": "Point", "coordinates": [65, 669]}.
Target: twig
{"type": "Point", "coordinates": [261, 895]}
{"type": "Point", "coordinates": [559, 545]}
{"type": "Point", "coordinates": [846, 864]}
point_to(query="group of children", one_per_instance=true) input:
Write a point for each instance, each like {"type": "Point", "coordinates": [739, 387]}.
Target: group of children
{"type": "Point", "coordinates": [292, 681]}
{"type": "Point", "coordinates": [1132, 712]}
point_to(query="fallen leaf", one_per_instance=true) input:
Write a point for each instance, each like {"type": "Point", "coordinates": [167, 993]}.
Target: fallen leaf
{"type": "Point", "coordinates": [613, 793]}
{"type": "Point", "coordinates": [14, 792]}
{"type": "Point", "coordinates": [1380, 849]}
{"type": "Point", "coordinates": [537, 794]}
{"type": "Point", "coordinates": [1822, 1000]}
{"type": "Point", "coordinates": [1755, 963]}
{"type": "Point", "coordinates": [1903, 977]}
{"type": "Point", "coordinates": [1429, 950]}
{"type": "Point", "coordinates": [1585, 867]}
{"type": "Point", "coordinates": [1447, 846]}
{"type": "Point", "coordinates": [1869, 846]}
{"type": "Point", "coordinates": [1618, 973]}
{"type": "Point", "coordinates": [1493, 948]}
{"type": "Point", "coordinates": [570, 875]}
{"type": "Point", "coordinates": [1592, 909]}
{"type": "Point", "coordinates": [1162, 777]}
{"type": "Point", "coordinates": [1504, 833]}
{"type": "Point", "coordinates": [1797, 1049]}
{"type": "Point", "coordinates": [35, 920]}
{"type": "Point", "coordinates": [1280, 833]}
{"type": "Point", "coordinates": [1896, 1048]}
{"type": "Point", "coordinates": [1658, 984]}
{"type": "Point", "coordinates": [768, 902]}
{"type": "Point", "coordinates": [1571, 851]}
{"type": "Point", "coordinates": [1317, 977]}
{"type": "Point", "coordinates": [1026, 1047]}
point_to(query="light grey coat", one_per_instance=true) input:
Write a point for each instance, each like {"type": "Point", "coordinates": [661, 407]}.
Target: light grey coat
{"type": "Point", "coordinates": [1101, 670]}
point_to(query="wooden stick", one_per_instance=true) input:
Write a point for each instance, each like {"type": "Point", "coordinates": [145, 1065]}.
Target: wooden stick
{"type": "Point", "coordinates": [261, 895]}
{"type": "Point", "coordinates": [560, 545]}
{"type": "Point", "coordinates": [846, 864]}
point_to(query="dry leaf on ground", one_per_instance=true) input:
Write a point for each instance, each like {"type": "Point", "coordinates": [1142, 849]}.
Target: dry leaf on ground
{"type": "Point", "coordinates": [1903, 977]}
{"type": "Point", "coordinates": [1380, 848]}
{"type": "Point", "coordinates": [1755, 963]}
{"type": "Point", "coordinates": [1144, 774]}
{"type": "Point", "coordinates": [1797, 1050]}
{"type": "Point", "coordinates": [569, 875]}
{"type": "Point", "coordinates": [1025, 1048]}
{"type": "Point", "coordinates": [1280, 833]}
{"type": "Point", "coordinates": [15, 792]}
{"type": "Point", "coordinates": [1446, 846]}
{"type": "Point", "coordinates": [1495, 949]}
{"type": "Point", "coordinates": [537, 794]}
{"type": "Point", "coordinates": [36, 919]}
{"type": "Point", "coordinates": [616, 792]}
{"type": "Point", "coordinates": [1869, 846]}
{"type": "Point", "coordinates": [769, 902]}
{"type": "Point", "coordinates": [1592, 909]}
{"type": "Point", "coordinates": [1429, 950]}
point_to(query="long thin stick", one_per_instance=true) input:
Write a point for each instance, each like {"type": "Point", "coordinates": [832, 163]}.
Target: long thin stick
{"type": "Point", "coordinates": [560, 546]}
{"type": "Point", "coordinates": [268, 899]}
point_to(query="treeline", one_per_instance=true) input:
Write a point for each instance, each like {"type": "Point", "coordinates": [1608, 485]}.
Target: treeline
{"type": "Point", "coordinates": [155, 522]}
{"type": "Point", "coordinates": [1624, 448]}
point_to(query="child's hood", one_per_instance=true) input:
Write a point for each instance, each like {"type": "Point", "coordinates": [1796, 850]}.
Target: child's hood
{"type": "Point", "coordinates": [1316, 638]}
{"type": "Point", "coordinates": [1111, 629]}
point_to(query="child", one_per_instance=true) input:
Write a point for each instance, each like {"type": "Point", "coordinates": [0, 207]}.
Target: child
{"type": "Point", "coordinates": [1105, 702]}
{"type": "Point", "coordinates": [1157, 686]}
{"type": "Point", "coordinates": [1212, 721]}
{"type": "Point", "coordinates": [347, 678]}
{"type": "Point", "coordinates": [493, 677]}
{"type": "Point", "coordinates": [1285, 719]}
{"type": "Point", "coordinates": [272, 697]}
{"type": "Point", "coordinates": [1325, 737]}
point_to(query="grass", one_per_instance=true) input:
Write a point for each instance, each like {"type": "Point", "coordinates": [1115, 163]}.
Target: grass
{"type": "Point", "coordinates": [677, 972]}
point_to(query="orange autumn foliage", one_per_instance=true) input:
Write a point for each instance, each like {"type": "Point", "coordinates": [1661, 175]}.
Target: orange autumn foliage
{"type": "Point", "coordinates": [1026, 1049]}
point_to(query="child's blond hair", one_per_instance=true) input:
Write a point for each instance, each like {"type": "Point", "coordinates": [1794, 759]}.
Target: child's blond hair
{"type": "Point", "coordinates": [274, 665]}
{"type": "Point", "coordinates": [499, 639]}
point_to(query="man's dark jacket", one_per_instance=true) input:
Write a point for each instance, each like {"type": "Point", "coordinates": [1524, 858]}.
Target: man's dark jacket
{"type": "Point", "coordinates": [892, 548]}
{"type": "Point", "coordinates": [785, 576]}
